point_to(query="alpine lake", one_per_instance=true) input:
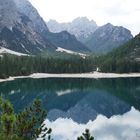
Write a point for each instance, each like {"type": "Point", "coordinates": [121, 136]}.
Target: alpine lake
{"type": "Point", "coordinates": [109, 107]}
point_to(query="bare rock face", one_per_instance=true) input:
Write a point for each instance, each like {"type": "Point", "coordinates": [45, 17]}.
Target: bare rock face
{"type": "Point", "coordinates": [108, 37]}
{"type": "Point", "coordinates": [18, 31]}
{"type": "Point", "coordinates": [81, 27]}
{"type": "Point", "coordinates": [23, 30]}
{"type": "Point", "coordinates": [8, 14]}
{"type": "Point", "coordinates": [99, 40]}
{"type": "Point", "coordinates": [25, 7]}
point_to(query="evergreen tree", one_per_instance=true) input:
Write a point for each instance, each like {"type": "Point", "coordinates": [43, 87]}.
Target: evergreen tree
{"type": "Point", "coordinates": [27, 125]}
{"type": "Point", "coordinates": [30, 122]}
{"type": "Point", "coordinates": [86, 136]}
{"type": "Point", "coordinates": [7, 119]}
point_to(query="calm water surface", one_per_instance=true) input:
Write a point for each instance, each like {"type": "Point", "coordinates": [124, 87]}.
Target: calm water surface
{"type": "Point", "coordinates": [107, 106]}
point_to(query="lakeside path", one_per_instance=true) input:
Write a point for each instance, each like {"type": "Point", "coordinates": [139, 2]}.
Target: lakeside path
{"type": "Point", "coordinates": [95, 75]}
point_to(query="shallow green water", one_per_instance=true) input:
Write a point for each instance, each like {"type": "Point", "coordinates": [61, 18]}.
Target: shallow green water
{"type": "Point", "coordinates": [71, 97]}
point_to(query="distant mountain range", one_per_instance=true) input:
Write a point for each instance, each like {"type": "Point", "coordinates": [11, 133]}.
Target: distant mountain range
{"type": "Point", "coordinates": [101, 39]}
{"type": "Point", "coordinates": [81, 27]}
{"type": "Point", "coordinates": [108, 37]}
{"type": "Point", "coordinates": [23, 30]}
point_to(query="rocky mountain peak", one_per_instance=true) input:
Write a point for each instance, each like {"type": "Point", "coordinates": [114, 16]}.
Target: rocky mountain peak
{"type": "Point", "coordinates": [81, 27]}
{"type": "Point", "coordinates": [23, 30]}
{"type": "Point", "coordinates": [18, 31]}
{"type": "Point", "coordinates": [108, 25]}
{"type": "Point", "coordinates": [84, 20]}
{"type": "Point", "coordinates": [108, 37]}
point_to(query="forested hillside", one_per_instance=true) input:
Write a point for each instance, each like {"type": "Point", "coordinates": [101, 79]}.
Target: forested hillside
{"type": "Point", "coordinates": [126, 58]}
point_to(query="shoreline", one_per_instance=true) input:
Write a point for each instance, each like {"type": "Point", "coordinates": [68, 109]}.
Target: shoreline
{"type": "Point", "coordinates": [94, 75]}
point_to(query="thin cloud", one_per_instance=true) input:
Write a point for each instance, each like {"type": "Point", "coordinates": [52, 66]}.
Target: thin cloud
{"type": "Point", "coordinates": [117, 12]}
{"type": "Point", "coordinates": [125, 127]}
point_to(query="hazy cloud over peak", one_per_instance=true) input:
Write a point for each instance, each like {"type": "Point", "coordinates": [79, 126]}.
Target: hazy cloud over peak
{"type": "Point", "coordinates": [118, 12]}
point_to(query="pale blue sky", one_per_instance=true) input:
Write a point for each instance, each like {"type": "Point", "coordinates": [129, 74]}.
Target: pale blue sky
{"type": "Point", "coordinates": [118, 12]}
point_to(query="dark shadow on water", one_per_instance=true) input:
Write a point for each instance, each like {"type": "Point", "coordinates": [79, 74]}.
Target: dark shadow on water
{"type": "Point", "coordinates": [67, 97]}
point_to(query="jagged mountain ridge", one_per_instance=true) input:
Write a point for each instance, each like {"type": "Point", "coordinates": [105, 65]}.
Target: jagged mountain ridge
{"type": "Point", "coordinates": [81, 27]}
{"type": "Point", "coordinates": [23, 30]}
{"type": "Point", "coordinates": [62, 39]}
{"type": "Point", "coordinates": [101, 39]}
{"type": "Point", "coordinates": [17, 31]}
{"type": "Point", "coordinates": [108, 37]}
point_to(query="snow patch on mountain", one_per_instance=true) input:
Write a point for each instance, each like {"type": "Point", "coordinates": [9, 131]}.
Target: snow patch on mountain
{"type": "Point", "coordinates": [59, 49]}
{"type": "Point", "coordinates": [7, 51]}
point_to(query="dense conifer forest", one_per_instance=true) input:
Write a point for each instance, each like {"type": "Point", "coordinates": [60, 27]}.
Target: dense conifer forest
{"type": "Point", "coordinates": [124, 59]}
{"type": "Point", "coordinates": [24, 65]}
